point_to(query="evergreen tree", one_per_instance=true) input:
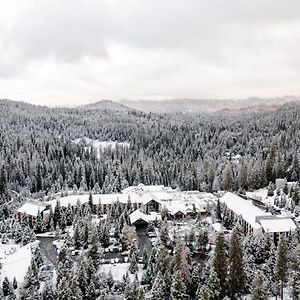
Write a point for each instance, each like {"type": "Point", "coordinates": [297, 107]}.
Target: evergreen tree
{"type": "Point", "coordinates": [145, 258]}
{"type": "Point", "coordinates": [228, 178]}
{"type": "Point", "coordinates": [76, 237]}
{"type": "Point", "coordinates": [236, 266]}
{"type": "Point", "coordinates": [158, 288]}
{"type": "Point", "coordinates": [294, 276]}
{"type": "Point", "coordinates": [133, 259]}
{"type": "Point", "coordinates": [57, 214]}
{"type": "Point", "coordinates": [49, 292]}
{"type": "Point", "coordinates": [178, 288]}
{"type": "Point", "coordinates": [214, 286]}
{"type": "Point", "coordinates": [3, 180]}
{"type": "Point", "coordinates": [91, 204]}
{"type": "Point", "coordinates": [219, 263]}
{"type": "Point", "coordinates": [15, 283]}
{"type": "Point", "coordinates": [38, 257]}
{"type": "Point", "coordinates": [31, 278]}
{"type": "Point", "coordinates": [260, 288]}
{"type": "Point", "coordinates": [7, 287]}
{"type": "Point", "coordinates": [196, 278]}
{"type": "Point", "coordinates": [281, 264]}
{"type": "Point", "coordinates": [218, 211]}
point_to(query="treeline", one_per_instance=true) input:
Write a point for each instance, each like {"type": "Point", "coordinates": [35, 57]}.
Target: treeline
{"type": "Point", "coordinates": [186, 151]}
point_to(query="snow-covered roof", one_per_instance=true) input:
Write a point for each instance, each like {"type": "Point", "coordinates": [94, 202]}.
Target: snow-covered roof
{"type": "Point", "coordinates": [139, 215]}
{"type": "Point", "coordinates": [139, 194]}
{"type": "Point", "coordinates": [146, 188]}
{"type": "Point", "coordinates": [244, 208]}
{"type": "Point", "coordinates": [217, 227]}
{"type": "Point", "coordinates": [187, 205]}
{"type": "Point", "coordinates": [32, 208]}
{"type": "Point", "coordinates": [103, 198]}
{"type": "Point", "coordinates": [278, 224]}
{"type": "Point", "coordinates": [147, 197]}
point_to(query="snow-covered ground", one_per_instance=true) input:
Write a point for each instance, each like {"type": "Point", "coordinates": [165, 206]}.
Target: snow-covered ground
{"type": "Point", "coordinates": [15, 264]}
{"type": "Point", "coordinates": [100, 145]}
{"type": "Point", "coordinates": [119, 270]}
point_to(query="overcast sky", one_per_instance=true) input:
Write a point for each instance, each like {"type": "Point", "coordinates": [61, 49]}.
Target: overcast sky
{"type": "Point", "coordinates": [67, 52]}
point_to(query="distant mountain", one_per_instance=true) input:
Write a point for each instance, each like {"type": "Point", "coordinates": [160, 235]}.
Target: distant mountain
{"type": "Point", "coordinates": [107, 104]}
{"type": "Point", "coordinates": [208, 105]}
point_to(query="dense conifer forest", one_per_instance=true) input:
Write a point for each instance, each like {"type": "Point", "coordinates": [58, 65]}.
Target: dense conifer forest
{"type": "Point", "coordinates": [191, 151]}
{"type": "Point", "coordinates": [43, 155]}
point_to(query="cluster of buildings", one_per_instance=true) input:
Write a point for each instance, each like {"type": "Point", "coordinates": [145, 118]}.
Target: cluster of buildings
{"type": "Point", "coordinates": [149, 201]}
{"type": "Point", "coordinates": [255, 220]}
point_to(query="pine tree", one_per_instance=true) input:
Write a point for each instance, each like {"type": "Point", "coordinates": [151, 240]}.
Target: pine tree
{"type": "Point", "coordinates": [76, 237]}
{"type": "Point", "coordinates": [31, 278]}
{"type": "Point", "coordinates": [83, 277]}
{"type": "Point", "coordinates": [91, 204]}
{"type": "Point", "coordinates": [296, 195]}
{"type": "Point", "coordinates": [178, 288]}
{"type": "Point", "coordinates": [57, 214]}
{"type": "Point", "coordinates": [133, 259]}
{"type": "Point", "coordinates": [15, 283]}
{"type": "Point", "coordinates": [269, 270]}
{"type": "Point", "coordinates": [281, 263]}
{"type": "Point", "coordinates": [7, 287]}
{"type": "Point", "coordinates": [228, 178]}
{"type": "Point", "coordinates": [218, 211]}
{"type": "Point", "coordinates": [203, 293]}
{"type": "Point", "coordinates": [164, 235]}
{"type": "Point", "coordinates": [213, 285]}
{"type": "Point", "coordinates": [236, 266]}
{"type": "Point", "coordinates": [242, 176]}
{"type": "Point", "coordinates": [219, 263]}
{"type": "Point", "coordinates": [3, 180]}
{"type": "Point", "coordinates": [132, 290]}
{"type": "Point", "coordinates": [94, 249]}
{"type": "Point", "coordinates": [158, 288]}
{"type": "Point", "coordinates": [260, 288]}
{"type": "Point", "coordinates": [64, 291]}
{"type": "Point", "coordinates": [49, 292]}
{"type": "Point", "coordinates": [185, 267]}
{"type": "Point", "coordinates": [294, 276]}
{"type": "Point", "coordinates": [286, 189]}
{"type": "Point", "coordinates": [38, 257]}
{"type": "Point", "coordinates": [196, 278]}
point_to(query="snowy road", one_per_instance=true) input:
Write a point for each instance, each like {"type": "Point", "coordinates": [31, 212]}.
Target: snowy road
{"type": "Point", "coordinates": [143, 240]}
{"type": "Point", "coordinates": [48, 249]}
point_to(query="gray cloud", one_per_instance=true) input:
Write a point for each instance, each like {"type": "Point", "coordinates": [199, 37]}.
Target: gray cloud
{"type": "Point", "coordinates": [242, 45]}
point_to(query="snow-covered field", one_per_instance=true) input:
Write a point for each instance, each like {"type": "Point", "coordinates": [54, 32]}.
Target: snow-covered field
{"type": "Point", "coordinates": [119, 270]}
{"type": "Point", "coordinates": [15, 264]}
{"type": "Point", "coordinates": [100, 145]}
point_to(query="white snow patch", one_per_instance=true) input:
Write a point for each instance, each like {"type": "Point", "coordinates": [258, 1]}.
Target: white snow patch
{"type": "Point", "coordinates": [100, 145]}
{"type": "Point", "coordinates": [17, 263]}
{"type": "Point", "coordinates": [119, 270]}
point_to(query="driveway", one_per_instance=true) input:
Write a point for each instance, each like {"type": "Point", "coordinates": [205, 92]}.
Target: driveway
{"type": "Point", "coordinates": [143, 239]}
{"type": "Point", "coordinates": [48, 249]}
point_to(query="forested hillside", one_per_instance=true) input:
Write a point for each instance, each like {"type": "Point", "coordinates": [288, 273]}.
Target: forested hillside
{"type": "Point", "coordinates": [189, 151]}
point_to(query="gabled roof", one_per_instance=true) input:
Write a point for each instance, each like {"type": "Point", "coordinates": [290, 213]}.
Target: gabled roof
{"type": "Point", "coordinates": [32, 208]}
{"type": "Point", "coordinates": [148, 197]}
{"type": "Point", "coordinates": [139, 215]}
{"type": "Point", "coordinates": [244, 208]}
{"type": "Point", "coordinates": [278, 225]}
